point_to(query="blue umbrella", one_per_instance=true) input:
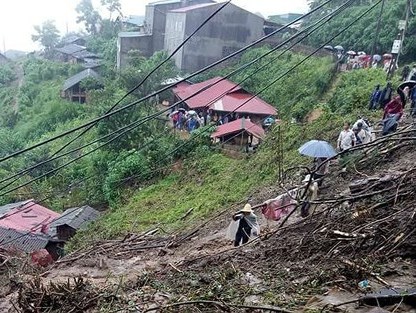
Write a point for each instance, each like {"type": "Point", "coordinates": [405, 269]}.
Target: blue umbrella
{"type": "Point", "coordinates": [317, 149]}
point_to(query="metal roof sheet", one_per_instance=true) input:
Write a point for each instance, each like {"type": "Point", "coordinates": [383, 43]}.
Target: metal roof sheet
{"type": "Point", "coordinates": [77, 218]}
{"type": "Point", "coordinates": [71, 48]}
{"type": "Point", "coordinates": [29, 217]}
{"type": "Point", "coordinates": [238, 126]}
{"type": "Point", "coordinates": [132, 34]}
{"type": "Point", "coordinates": [203, 99]}
{"type": "Point", "coordinates": [8, 207]}
{"type": "Point", "coordinates": [22, 241]}
{"type": "Point", "coordinates": [193, 7]}
{"type": "Point", "coordinates": [164, 2]}
{"type": "Point", "coordinates": [228, 97]}
{"type": "Point", "coordinates": [137, 20]}
{"type": "Point", "coordinates": [243, 102]}
{"type": "Point", "coordinates": [79, 77]}
{"type": "Point", "coordinates": [83, 54]}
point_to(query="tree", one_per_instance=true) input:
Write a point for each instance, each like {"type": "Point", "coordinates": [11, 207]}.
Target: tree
{"type": "Point", "coordinates": [112, 6]}
{"type": "Point", "coordinates": [47, 35]}
{"type": "Point", "coordinates": [89, 16]}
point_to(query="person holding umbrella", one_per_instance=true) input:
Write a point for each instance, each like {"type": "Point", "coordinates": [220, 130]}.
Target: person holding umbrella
{"type": "Point", "coordinates": [321, 151]}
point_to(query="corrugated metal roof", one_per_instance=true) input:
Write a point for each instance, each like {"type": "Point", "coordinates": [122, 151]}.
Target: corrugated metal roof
{"type": "Point", "coordinates": [29, 217]}
{"type": "Point", "coordinates": [72, 39]}
{"type": "Point", "coordinates": [205, 97]}
{"type": "Point", "coordinates": [8, 207]}
{"type": "Point", "coordinates": [137, 20]}
{"type": "Point", "coordinates": [84, 54]}
{"type": "Point", "coordinates": [132, 34]}
{"type": "Point", "coordinates": [22, 241]}
{"type": "Point", "coordinates": [238, 126]}
{"type": "Point", "coordinates": [193, 7]}
{"type": "Point", "coordinates": [243, 103]}
{"type": "Point", "coordinates": [77, 218]}
{"type": "Point", "coordinates": [79, 77]}
{"type": "Point", "coordinates": [164, 2]}
{"type": "Point", "coordinates": [71, 48]}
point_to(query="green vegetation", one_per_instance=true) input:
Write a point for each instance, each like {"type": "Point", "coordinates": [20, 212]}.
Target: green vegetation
{"type": "Point", "coordinates": [361, 36]}
{"type": "Point", "coordinates": [150, 176]}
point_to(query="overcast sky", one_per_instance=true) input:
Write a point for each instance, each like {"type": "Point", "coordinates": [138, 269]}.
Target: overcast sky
{"type": "Point", "coordinates": [17, 17]}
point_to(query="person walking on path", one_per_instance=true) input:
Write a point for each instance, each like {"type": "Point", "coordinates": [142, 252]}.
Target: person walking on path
{"type": "Point", "coordinates": [386, 95]}
{"type": "Point", "coordinates": [246, 226]}
{"type": "Point", "coordinates": [375, 98]}
{"type": "Point", "coordinates": [346, 139]}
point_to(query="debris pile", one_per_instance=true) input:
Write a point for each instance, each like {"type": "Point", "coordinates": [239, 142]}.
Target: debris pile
{"type": "Point", "coordinates": [75, 297]}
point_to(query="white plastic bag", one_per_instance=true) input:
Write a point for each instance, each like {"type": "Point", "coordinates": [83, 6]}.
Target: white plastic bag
{"type": "Point", "coordinates": [232, 229]}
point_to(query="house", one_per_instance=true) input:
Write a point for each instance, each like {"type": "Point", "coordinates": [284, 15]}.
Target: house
{"type": "Point", "coordinates": [222, 96]}
{"type": "Point", "coordinates": [72, 220]}
{"type": "Point", "coordinates": [168, 23]}
{"type": "Point", "coordinates": [72, 89]}
{"type": "Point", "coordinates": [228, 31]}
{"type": "Point", "coordinates": [150, 37]}
{"type": "Point", "coordinates": [74, 39]}
{"type": "Point", "coordinates": [130, 41]}
{"type": "Point", "coordinates": [67, 51]}
{"type": "Point", "coordinates": [286, 19]}
{"type": "Point", "coordinates": [132, 22]}
{"type": "Point", "coordinates": [24, 227]}
{"type": "Point", "coordinates": [241, 132]}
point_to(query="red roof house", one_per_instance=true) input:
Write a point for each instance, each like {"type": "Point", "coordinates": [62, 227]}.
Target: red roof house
{"type": "Point", "coordinates": [28, 216]}
{"type": "Point", "coordinates": [208, 91]}
{"type": "Point", "coordinates": [24, 226]}
{"type": "Point", "coordinates": [239, 126]}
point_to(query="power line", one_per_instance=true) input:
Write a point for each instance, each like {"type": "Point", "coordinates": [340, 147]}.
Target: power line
{"type": "Point", "coordinates": [148, 75]}
{"type": "Point", "coordinates": [276, 80]}
{"type": "Point", "coordinates": [140, 122]}
{"type": "Point", "coordinates": [280, 77]}
{"type": "Point", "coordinates": [93, 121]}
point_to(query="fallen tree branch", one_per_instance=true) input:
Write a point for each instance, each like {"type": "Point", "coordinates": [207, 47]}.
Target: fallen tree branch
{"type": "Point", "coordinates": [223, 306]}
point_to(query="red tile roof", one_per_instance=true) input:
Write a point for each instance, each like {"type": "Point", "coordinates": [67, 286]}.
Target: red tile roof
{"type": "Point", "coordinates": [241, 102]}
{"type": "Point", "coordinates": [30, 217]}
{"type": "Point", "coordinates": [193, 7]}
{"type": "Point", "coordinates": [223, 96]}
{"type": "Point", "coordinates": [238, 126]}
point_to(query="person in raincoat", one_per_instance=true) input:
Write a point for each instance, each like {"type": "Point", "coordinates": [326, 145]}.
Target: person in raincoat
{"type": "Point", "coordinates": [246, 226]}
{"type": "Point", "coordinates": [375, 98]}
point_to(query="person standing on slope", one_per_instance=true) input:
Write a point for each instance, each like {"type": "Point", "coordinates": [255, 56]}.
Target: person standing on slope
{"type": "Point", "coordinates": [346, 139]}
{"type": "Point", "coordinates": [246, 226]}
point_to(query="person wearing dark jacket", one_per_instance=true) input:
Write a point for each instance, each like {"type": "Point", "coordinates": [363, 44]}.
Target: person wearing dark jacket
{"type": "Point", "coordinates": [375, 98]}
{"type": "Point", "coordinates": [386, 95]}
{"type": "Point", "coordinates": [247, 224]}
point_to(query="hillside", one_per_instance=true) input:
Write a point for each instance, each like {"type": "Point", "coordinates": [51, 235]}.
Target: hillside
{"type": "Point", "coordinates": [163, 240]}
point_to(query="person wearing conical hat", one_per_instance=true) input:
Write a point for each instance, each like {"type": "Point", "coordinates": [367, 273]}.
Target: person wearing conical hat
{"type": "Point", "coordinates": [247, 224]}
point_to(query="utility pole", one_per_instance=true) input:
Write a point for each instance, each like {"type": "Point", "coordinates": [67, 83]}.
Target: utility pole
{"type": "Point", "coordinates": [398, 43]}
{"type": "Point", "coordinates": [373, 51]}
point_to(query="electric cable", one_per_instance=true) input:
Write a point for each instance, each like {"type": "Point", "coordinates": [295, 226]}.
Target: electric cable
{"type": "Point", "coordinates": [138, 123]}
{"type": "Point", "coordinates": [148, 75]}
{"type": "Point", "coordinates": [104, 116]}
{"type": "Point", "coordinates": [327, 17]}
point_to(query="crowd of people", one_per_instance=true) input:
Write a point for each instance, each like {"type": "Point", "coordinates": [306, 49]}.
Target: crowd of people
{"type": "Point", "coordinates": [191, 120]}
{"type": "Point", "coordinates": [245, 223]}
